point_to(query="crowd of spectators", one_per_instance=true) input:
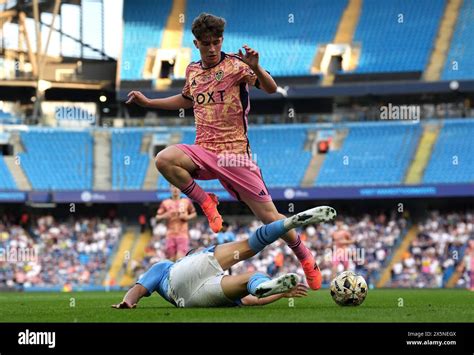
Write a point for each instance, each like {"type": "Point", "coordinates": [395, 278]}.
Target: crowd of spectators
{"type": "Point", "coordinates": [43, 251]}
{"type": "Point", "coordinates": [436, 251]}
{"type": "Point", "coordinates": [47, 252]}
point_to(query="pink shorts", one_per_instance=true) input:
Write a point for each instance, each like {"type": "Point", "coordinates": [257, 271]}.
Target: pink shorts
{"type": "Point", "coordinates": [238, 174]}
{"type": "Point", "coordinates": [175, 246]}
{"type": "Point", "coordinates": [336, 262]}
{"type": "Point", "coordinates": [340, 257]}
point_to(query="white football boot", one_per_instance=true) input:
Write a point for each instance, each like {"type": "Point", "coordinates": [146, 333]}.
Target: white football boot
{"type": "Point", "coordinates": [280, 284]}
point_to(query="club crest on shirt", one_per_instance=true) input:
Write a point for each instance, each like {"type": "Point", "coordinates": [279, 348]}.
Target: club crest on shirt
{"type": "Point", "coordinates": [219, 75]}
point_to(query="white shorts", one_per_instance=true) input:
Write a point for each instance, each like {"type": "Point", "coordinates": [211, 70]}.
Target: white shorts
{"type": "Point", "coordinates": [195, 281]}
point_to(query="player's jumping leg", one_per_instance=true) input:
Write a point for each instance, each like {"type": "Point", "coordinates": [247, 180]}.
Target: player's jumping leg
{"type": "Point", "coordinates": [267, 213]}
{"type": "Point", "coordinates": [177, 168]}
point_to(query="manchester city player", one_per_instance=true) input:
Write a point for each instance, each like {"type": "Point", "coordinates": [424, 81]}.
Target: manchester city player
{"type": "Point", "coordinates": [198, 280]}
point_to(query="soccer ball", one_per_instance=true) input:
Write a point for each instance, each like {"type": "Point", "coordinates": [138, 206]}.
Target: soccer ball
{"type": "Point", "coordinates": [348, 289]}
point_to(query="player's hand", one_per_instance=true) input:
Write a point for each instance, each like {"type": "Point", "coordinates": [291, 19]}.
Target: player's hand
{"type": "Point", "coordinates": [166, 215]}
{"type": "Point", "coordinates": [300, 290]}
{"type": "Point", "coordinates": [250, 57]}
{"type": "Point", "coordinates": [138, 98]}
{"type": "Point", "coordinates": [183, 216]}
{"type": "Point", "coordinates": [124, 305]}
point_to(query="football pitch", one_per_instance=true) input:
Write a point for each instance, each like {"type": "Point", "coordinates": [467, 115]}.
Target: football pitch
{"type": "Point", "coordinates": [383, 305]}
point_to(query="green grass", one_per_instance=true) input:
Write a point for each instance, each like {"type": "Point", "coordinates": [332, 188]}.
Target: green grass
{"type": "Point", "coordinates": [380, 306]}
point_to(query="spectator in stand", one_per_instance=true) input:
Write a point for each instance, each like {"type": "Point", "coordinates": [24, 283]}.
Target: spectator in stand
{"type": "Point", "coordinates": [142, 222]}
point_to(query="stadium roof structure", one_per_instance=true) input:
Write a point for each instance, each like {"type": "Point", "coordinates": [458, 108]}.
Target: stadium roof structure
{"type": "Point", "coordinates": [36, 72]}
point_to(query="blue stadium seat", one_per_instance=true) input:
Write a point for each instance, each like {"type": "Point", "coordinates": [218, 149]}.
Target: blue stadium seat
{"type": "Point", "coordinates": [144, 24]}
{"type": "Point", "coordinates": [129, 165]}
{"type": "Point", "coordinates": [6, 178]}
{"type": "Point", "coordinates": [284, 164]}
{"type": "Point", "coordinates": [371, 154]}
{"type": "Point", "coordinates": [452, 159]}
{"type": "Point", "coordinates": [462, 46]}
{"type": "Point", "coordinates": [389, 45]}
{"type": "Point", "coordinates": [58, 160]}
{"type": "Point", "coordinates": [284, 50]}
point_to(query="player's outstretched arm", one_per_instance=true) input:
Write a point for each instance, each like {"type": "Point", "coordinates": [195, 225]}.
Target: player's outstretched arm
{"type": "Point", "coordinates": [251, 58]}
{"type": "Point", "coordinates": [301, 290]}
{"type": "Point", "coordinates": [169, 103]}
{"type": "Point", "coordinates": [132, 297]}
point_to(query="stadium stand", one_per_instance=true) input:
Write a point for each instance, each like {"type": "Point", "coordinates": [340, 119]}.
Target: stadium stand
{"type": "Point", "coordinates": [128, 163]}
{"type": "Point", "coordinates": [288, 43]}
{"type": "Point", "coordinates": [459, 60]}
{"type": "Point", "coordinates": [77, 252]}
{"type": "Point", "coordinates": [436, 251]}
{"type": "Point", "coordinates": [394, 26]}
{"type": "Point", "coordinates": [57, 160]}
{"type": "Point", "coordinates": [372, 153]}
{"type": "Point", "coordinates": [467, 268]}
{"type": "Point", "coordinates": [57, 253]}
{"type": "Point", "coordinates": [6, 178]}
{"type": "Point", "coordinates": [7, 118]}
{"type": "Point", "coordinates": [452, 159]}
{"type": "Point", "coordinates": [273, 157]}
{"type": "Point", "coordinates": [143, 28]}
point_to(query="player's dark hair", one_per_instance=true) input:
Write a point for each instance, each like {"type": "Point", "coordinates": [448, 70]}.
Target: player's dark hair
{"type": "Point", "coordinates": [208, 25]}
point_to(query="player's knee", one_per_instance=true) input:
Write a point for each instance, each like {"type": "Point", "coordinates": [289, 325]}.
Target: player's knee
{"type": "Point", "coordinates": [162, 160]}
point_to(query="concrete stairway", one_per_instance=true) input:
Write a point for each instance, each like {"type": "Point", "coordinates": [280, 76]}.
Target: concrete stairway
{"type": "Point", "coordinates": [122, 255]}
{"type": "Point", "coordinates": [453, 280]}
{"type": "Point", "coordinates": [345, 30]}
{"type": "Point", "coordinates": [173, 38]}
{"type": "Point", "coordinates": [314, 166]}
{"type": "Point", "coordinates": [315, 163]}
{"type": "Point", "coordinates": [423, 154]}
{"type": "Point", "coordinates": [397, 257]}
{"type": "Point", "coordinates": [14, 163]}
{"type": "Point", "coordinates": [173, 34]}
{"type": "Point", "coordinates": [137, 255]}
{"type": "Point", "coordinates": [149, 183]}
{"type": "Point", "coordinates": [348, 24]}
{"type": "Point", "coordinates": [19, 176]}
{"type": "Point", "coordinates": [102, 161]}
{"type": "Point", "coordinates": [443, 41]}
